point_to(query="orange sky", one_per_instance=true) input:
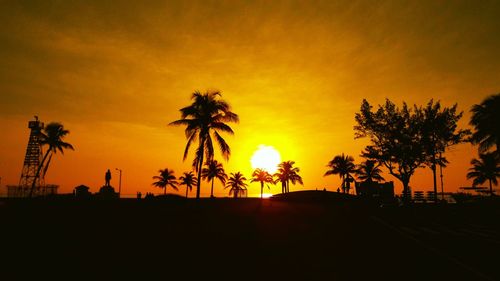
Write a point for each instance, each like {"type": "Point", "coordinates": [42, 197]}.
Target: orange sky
{"type": "Point", "coordinates": [295, 71]}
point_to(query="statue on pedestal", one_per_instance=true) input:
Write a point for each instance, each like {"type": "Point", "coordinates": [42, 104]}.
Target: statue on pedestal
{"type": "Point", "coordinates": [107, 178]}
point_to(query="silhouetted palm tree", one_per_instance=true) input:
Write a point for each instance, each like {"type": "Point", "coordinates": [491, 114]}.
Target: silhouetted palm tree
{"type": "Point", "coordinates": [52, 135]}
{"type": "Point", "coordinates": [237, 185]}
{"type": "Point", "coordinates": [213, 170]}
{"type": "Point", "coordinates": [485, 118]}
{"type": "Point", "coordinates": [188, 179]}
{"type": "Point", "coordinates": [369, 171]}
{"type": "Point", "coordinates": [261, 176]}
{"type": "Point", "coordinates": [204, 118]}
{"type": "Point", "coordinates": [487, 168]}
{"type": "Point", "coordinates": [287, 173]}
{"type": "Point", "coordinates": [342, 165]}
{"type": "Point", "coordinates": [165, 179]}
{"type": "Point", "coordinates": [439, 131]}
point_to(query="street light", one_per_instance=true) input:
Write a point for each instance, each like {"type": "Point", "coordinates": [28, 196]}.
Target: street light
{"type": "Point", "coordinates": [119, 183]}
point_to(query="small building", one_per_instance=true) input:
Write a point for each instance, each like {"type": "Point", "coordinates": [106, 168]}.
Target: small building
{"type": "Point", "coordinates": [82, 191]}
{"type": "Point", "coordinates": [374, 189]}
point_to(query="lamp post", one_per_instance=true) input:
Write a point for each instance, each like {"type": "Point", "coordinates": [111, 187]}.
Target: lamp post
{"type": "Point", "coordinates": [119, 183]}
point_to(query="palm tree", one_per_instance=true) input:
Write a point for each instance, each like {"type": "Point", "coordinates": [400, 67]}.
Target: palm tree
{"type": "Point", "coordinates": [342, 165]}
{"type": "Point", "coordinates": [287, 173]}
{"type": "Point", "coordinates": [485, 118]}
{"type": "Point", "coordinates": [204, 118]}
{"type": "Point", "coordinates": [369, 171]}
{"type": "Point", "coordinates": [261, 176]}
{"type": "Point", "coordinates": [237, 185]}
{"type": "Point", "coordinates": [188, 179]}
{"type": "Point", "coordinates": [487, 168]}
{"type": "Point", "coordinates": [439, 132]}
{"type": "Point", "coordinates": [213, 170]}
{"type": "Point", "coordinates": [53, 136]}
{"type": "Point", "coordinates": [165, 179]}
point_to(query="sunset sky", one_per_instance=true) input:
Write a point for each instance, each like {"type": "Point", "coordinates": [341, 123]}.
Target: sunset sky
{"type": "Point", "coordinates": [116, 73]}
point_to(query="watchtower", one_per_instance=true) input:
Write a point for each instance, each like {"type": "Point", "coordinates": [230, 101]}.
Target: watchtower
{"type": "Point", "coordinates": [32, 159]}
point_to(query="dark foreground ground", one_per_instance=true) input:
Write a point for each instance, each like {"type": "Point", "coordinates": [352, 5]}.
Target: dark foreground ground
{"type": "Point", "coordinates": [247, 239]}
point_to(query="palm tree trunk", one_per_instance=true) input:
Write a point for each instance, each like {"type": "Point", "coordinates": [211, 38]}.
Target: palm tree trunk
{"type": "Point", "coordinates": [165, 190]}
{"type": "Point", "coordinates": [261, 188]}
{"type": "Point", "coordinates": [434, 178]}
{"type": "Point", "coordinates": [212, 190]}
{"type": "Point", "coordinates": [37, 175]}
{"type": "Point", "coordinates": [187, 189]}
{"type": "Point", "coordinates": [343, 183]}
{"type": "Point", "coordinates": [200, 165]}
{"type": "Point", "coordinates": [434, 182]}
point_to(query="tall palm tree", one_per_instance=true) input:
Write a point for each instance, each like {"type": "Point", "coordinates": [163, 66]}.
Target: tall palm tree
{"type": "Point", "coordinates": [237, 185]}
{"type": "Point", "coordinates": [52, 135]}
{"type": "Point", "coordinates": [485, 118]}
{"type": "Point", "coordinates": [342, 165]}
{"type": "Point", "coordinates": [288, 173]}
{"type": "Point", "coordinates": [261, 176]}
{"type": "Point", "coordinates": [487, 168]}
{"type": "Point", "coordinates": [188, 179]}
{"type": "Point", "coordinates": [165, 179]}
{"type": "Point", "coordinates": [206, 117]}
{"type": "Point", "coordinates": [213, 170]}
{"type": "Point", "coordinates": [369, 171]}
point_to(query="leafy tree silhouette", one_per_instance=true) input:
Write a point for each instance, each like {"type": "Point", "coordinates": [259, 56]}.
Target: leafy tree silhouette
{"type": "Point", "coordinates": [204, 118]}
{"type": "Point", "coordinates": [236, 184]}
{"type": "Point", "coordinates": [287, 173]}
{"type": "Point", "coordinates": [188, 179]}
{"type": "Point", "coordinates": [261, 176]}
{"type": "Point", "coordinates": [485, 118]}
{"type": "Point", "coordinates": [165, 179]}
{"type": "Point", "coordinates": [486, 168]}
{"type": "Point", "coordinates": [52, 135]}
{"type": "Point", "coordinates": [342, 165]}
{"type": "Point", "coordinates": [396, 139]}
{"type": "Point", "coordinates": [213, 170]}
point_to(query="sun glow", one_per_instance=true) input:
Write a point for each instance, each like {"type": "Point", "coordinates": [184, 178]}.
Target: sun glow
{"type": "Point", "coordinates": [267, 195]}
{"type": "Point", "coordinates": [266, 158]}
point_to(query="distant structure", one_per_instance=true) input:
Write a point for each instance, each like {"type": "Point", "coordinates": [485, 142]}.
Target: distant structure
{"type": "Point", "coordinates": [107, 191]}
{"type": "Point", "coordinates": [375, 190]}
{"type": "Point", "coordinates": [82, 191]}
{"type": "Point", "coordinates": [32, 161]}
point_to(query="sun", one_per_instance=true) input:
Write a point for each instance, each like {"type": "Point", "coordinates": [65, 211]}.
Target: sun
{"type": "Point", "coordinates": [266, 158]}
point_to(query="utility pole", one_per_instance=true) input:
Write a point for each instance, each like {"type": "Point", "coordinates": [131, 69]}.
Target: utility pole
{"type": "Point", "coordinates": [119, 183]}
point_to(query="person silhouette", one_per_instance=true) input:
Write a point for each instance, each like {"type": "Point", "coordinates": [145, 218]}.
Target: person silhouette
{"type": "Point", "coordinates": [108, 177]}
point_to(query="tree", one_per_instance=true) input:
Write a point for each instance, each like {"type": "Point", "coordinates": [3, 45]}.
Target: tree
{"type": "Point", "coordinates": [439, 131]}
{"type": "Point", "coordinates": [205, 118]}
{"type": "Point", "coordinates": [487, 168]}
{"type": "Point", "coordinates": [485, 118]}
{"type": "Point", "coordinates": [287, 173]}
{"type": "Point", "coordinates": [342, 165]}
{"type": "Point", "coordinates": [188, 179]}
{"type": "Point", "coordinates": [369, 171]}
{"type": "Point", "coordinates": [213, 170]}
{"type": "Point", "coordinates": [236, 184]}
{"type": "Point", "coordinates": [52, 135]}
{"type": "Point", "coordinates": [396, 139]}
{"type": "Point", "coordinates": [165, 179]}
{"type": "Point", "coordinates": [261, 176]}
